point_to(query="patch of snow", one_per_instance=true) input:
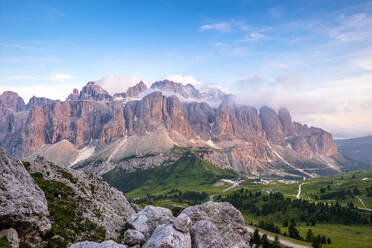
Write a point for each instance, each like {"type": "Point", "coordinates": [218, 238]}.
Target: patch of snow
{"type": "Point", "coordinates": [289, 146]}
{"type": "Point", "coordinates": [84, 153]}
{"type": "Point", "coordinates": [212, 144]}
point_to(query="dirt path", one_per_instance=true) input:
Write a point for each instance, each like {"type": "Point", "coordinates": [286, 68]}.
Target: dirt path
{"type": "Point", "coordinates": [299, 190]}
{"type": "Point", "coordinates": [283, 242]}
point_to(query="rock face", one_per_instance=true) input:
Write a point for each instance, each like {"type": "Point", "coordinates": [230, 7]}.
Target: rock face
{"type": "Point", "coordinates": [11, 236]}
{"type": "Point", "coordinates": [233, 136]}
{"type": "Point", "coordinates": [23, 205]}
{"type": "Point", "coordinates": [38, 102]}
{"type": "Point", "coordinates": [182, 223]}
{"type": "Point", "coordinates": [12, 101]}
{"type": "Point", "coordinates": [220, 223]}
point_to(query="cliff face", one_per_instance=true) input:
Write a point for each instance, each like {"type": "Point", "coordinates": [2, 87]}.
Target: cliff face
{"type": "Point", "coordinates": [237, 136]}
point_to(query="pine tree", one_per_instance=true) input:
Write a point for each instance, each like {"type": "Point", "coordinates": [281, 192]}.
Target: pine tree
{"type": "Point", "coordinates": [256, 237]}
{"type": "Point", "coordinates": [276, 243]}
{"type": "Point", "coordinates": [309, 235]}
{"type": "Point", "coordinates": [265, 242]}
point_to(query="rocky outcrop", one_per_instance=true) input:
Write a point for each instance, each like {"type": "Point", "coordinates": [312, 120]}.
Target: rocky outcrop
{"type": "Point", "coordinates": [168, 236]}
{"type": "Point", "coordinates": [146, 220]}
{"type": "Point", "coordinates": [11, 100]}
{"type": "Point", "coordinates": [38, 102]}
{"type": "Point", "coordinates": [95, 200]}
{"type": "Point", "coordinates": [208, 225]}
{"type": "Point", "coordinates": [23, 205]}
{"type": "Point", "coordinates": [105, 244]}
{"type": "Point", "coordinates": [136, 90]}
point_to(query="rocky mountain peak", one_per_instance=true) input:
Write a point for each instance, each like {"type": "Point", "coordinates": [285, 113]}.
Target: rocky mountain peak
{"type": "Point", "coordinates": [38, 102]}
{"type": "Point", "coordinates": [74, 96]}
{"type": "Point", "coordinates": [271, 124]}
{"type": "Point", "coordinates": [171, 87]}
{"type": "Point", "coordinates": [134, 91]}
{"type": "Point", "coordinates": [12, 100]}
{"type": "Point", "coordinates": [92, 91]}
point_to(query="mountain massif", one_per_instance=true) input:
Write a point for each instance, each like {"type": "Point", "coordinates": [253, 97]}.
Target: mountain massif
{"type": "Point", "coordinates": [95, 131]}
{"type": "Point", "coordinates": [358, 149]}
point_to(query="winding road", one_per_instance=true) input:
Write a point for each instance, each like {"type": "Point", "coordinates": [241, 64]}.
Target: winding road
{"type": "Point", "coordinates": [299, 190]}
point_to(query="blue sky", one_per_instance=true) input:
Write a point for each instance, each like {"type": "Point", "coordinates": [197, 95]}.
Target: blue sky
{"type": "Point", "coordinates": [313, 57]}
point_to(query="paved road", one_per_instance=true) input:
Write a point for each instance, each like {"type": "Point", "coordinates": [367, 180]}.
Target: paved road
{"type": "Point", "coordinates": [283, 241]}
{"type": "Point", "coordinates": [299, 190]}
{"type": "Point", "coordinates": [234, 185]}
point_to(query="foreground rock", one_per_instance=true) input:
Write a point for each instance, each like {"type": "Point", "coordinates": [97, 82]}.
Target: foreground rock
{"type": "Point", "coordinates": [168, 236]}
{"type": "Point", "coordinates": [11, 236]}
{"type": "Point", "coordinates": [23, 205]}
{"type": "Point", "coordinates": [146, 220]}
{"type": "Point", "coordinates": [91, 203]}
{"type": "Point", "coordinates": [226, 225]}
{"type": "Point", "coordinates": [106, 244]}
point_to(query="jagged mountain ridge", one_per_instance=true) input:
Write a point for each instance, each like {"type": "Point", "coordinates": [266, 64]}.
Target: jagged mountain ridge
{"type": "Point", "coordinates": [152, 121]}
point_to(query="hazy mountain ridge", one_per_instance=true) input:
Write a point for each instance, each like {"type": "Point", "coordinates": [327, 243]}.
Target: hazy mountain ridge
{"type": "Point", "coordinates": [232, 136]}
{"type": "Point", "coordinates": [359, 149]}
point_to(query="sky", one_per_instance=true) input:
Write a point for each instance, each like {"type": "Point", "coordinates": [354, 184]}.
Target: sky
{"type": "Point", "coordinates": [312, 57]}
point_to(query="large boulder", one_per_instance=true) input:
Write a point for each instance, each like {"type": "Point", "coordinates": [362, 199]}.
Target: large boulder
{"type": "Point", "coordinates": [166, 236]}
{"type": "Point", "coordinates": [182, 223]}
{"type": "Point", "coordinates": [133, 237]}
{"type": "Point", "coordinates": [22, 203]}
{"type": "Point", "coordinates": [204, 235]}
{"type": "Point", "coordinates": [146, 220]}
{"type": "Point", "coordinates": [105, 244]}
{"type": "Point", "coordinates": [228, 224]}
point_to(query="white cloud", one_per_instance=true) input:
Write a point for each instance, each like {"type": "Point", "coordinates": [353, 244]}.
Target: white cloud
{"type": "Point", "coordinates": [23, 77]}
{"type": "Point", "coordinates": [364, 63]}
{"type": "Point", "coordinates": [252, 37]}
{"type": "Point", "coordinates": [342, 107]}
{"type": "Point", "coordinates": [356, 27]}
{"type": "Point", "coordinates": [184, 80]}
{"type": "Point", "coordinates": [222, 26]}
{"type": "Point", "coordinates": [118, 84]}
{"type": "Point", "coordinates": [60, 77]}
{"type": "Point", "coordinates": [49, 90]}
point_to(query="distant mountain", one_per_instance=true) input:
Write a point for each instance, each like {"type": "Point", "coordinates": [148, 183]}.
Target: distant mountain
{"type": "Point", "coordinates": [96, 132]}
{"type": "Point", "coordinates": [359, 149]}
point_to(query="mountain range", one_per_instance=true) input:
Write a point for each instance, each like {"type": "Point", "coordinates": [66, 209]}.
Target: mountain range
{"type": "Point", "coordinates": [95, 131]}
{"type": "Point", "coordinates": [358, 149]}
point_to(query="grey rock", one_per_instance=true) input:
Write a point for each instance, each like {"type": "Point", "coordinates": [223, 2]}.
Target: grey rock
{"type": "Point", "coordinates": [228, 221]}
{"type": "Point", "coordinates": [146, 220]}
{"type": "Point", "coordinates": [11, 236]}
{"type": "Point", "coordinates": [166, 236]}
{"type": "Point", "coordinates": [22, 203]}
{"type": "Point", "coordinates": [133, 237]}
{"type": "Point", "coordinates": [105, 244]}
{"type": "Point", "coordinates": [136, 207]}
{"type": "Point", "coordinates": [182, 223]}
{"type": "Point", "coordinates": [204, 235]}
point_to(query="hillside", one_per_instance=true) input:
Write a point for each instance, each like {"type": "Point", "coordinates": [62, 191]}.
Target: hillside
{"type": "Point", "coordinates": [188, 173]}
{"type": "Point", "coordinates": [359, 149]}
